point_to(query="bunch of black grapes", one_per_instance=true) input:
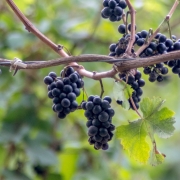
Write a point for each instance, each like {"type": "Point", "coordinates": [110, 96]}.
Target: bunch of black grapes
{"type": "Point", "coordinates": [159, 45]}
{"type": "Point", "coordinates": [99, 115]}
{"type": "Point", "coordinates": [64, 90]}
{"type": "Point", "coordinates": [136, 83]}
{"type": "Point", "coordinates": [113, 9]}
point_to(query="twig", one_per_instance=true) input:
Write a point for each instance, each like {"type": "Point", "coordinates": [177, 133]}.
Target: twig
{"type": "Point", "coordinates": [169, 30]}
{"type": "Point", "coordinates": [102, 88]}
{"type": "Point", "coordinates": [134, 106]}
{"type": "Point", "coordinates": [124, 18]}
{"type": "Point", "coordinates": [132, 37]}
{"type": "Point", "coordinates": [31, 28]}
{"type": "Point", "coordinates": [158, 29]}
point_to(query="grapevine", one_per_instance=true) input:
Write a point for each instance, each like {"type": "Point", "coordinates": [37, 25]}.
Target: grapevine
{"type": "Point", "coordinates": [154, 51]}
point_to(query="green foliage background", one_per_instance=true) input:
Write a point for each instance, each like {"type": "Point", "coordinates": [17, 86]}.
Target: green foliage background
{"type": "Point", "coordinates": [30, 131]}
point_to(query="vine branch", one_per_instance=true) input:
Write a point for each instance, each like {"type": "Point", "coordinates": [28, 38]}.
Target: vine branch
{"type": "Point", "coordinates": [123, 64]}
{"type": "Point", "coordinates": [132, 37]}
{"type": "Point", "coordinates": [167, 18]}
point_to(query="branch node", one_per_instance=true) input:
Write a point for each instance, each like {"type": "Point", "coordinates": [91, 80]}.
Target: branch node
{"type": "Point", "coordinates": [59, 47]}
{"type": "Point", "coordinates": [15, 64]}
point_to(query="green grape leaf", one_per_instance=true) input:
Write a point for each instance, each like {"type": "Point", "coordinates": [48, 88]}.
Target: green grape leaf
{"type": "Point", "coordinates": [149, 106]}
{"type": "Point", "coordinates": [133, 139]}
{"type": "Point", "coordinates": [154, 120]}
{"type": "Point", "coordinates": [157, 158]}
{"type": "Point", "coordinates": [162, 122]}
{"type": "Point", "coordinates": [122, 92]}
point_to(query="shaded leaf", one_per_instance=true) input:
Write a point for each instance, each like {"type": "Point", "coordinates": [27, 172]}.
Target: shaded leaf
{"type": "Point", "coordinates": [122, 92]}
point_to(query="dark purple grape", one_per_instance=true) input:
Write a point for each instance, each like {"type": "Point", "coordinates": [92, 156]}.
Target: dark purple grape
{"type": "Point", "coordinates": [56, 92]}
{"type": "Point", "coordinates": [113, 18]}
{"type": "Point", "coordinates": [103, 116]}
{"type": "Point", "coordinates": [141, 82]}
{"type": "Point", "coordinates": [97, 109]}
{"type": "Point", "coordinates": [52, 74]}
{"type": "Point", "coordinates": [112, 47]}
{"type": "Point", "coordinates": [65, 102]}
{"type": "Point", "coordinates": [103, 132]}
{"type": "Point", "coordinates": [89, 105]}
{"type": "Point", "coordinates": [112, 4]}
{"type": "Point", "coordinates": [106, 12]}
{"type": "Point", "coordinates": [89, 123]}
{"type": "Point", "coordinates": [138, 75]}
{"type": "Point", "coordinates": [122, 4]}
{"type": "Point", "coordinates": [164, 70]}
{"type": "Point", "coordinates": [59, 84]}
{"type": "Point", "coordinates": [122, 28]}
{"type": "Point", "coordinates": [61, 115]}
{"type": "Point", "coordinates": [92, 131]}
{"type": "Point", "coordinates": [96, 122]}
{"type": "Point", "coordinates": [105, 146]}
{"type": "Point", "coordinates": [140, 42]}
{"type": "Point", "coordinates": [118, 11]}
{"type": "Point", "coordinates": [48, 80]}
{"type": "Point", "coordinates": [162, 38]}
{"type": "Point", "coordinates": [71, 96]}
{"type": "Point", "coordinates": [144, 33]}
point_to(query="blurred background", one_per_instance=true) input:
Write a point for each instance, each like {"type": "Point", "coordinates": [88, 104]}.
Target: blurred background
{"type": "Point", "coordinates": [34, 143]}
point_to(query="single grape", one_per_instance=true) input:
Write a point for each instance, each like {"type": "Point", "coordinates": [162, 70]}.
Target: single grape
{"type": "Point", "coordinates": [61, 115]}
{"type": "Point", "coordinates": [71, 96]}
{"type": "Point", "coordinates": [89, 123]}
{"type": "Point", "coordinates": [112, 4]}
{"type": "Point", "coordinates": [103, 132]}
{"type": "Point", "coordinates": [105, 146]}
{"type": "Point", "coordinates": [118, 11]}
{"type": "Point", "coordinates": [97, 109]}
{"type": "Point", "coordinates": [141, 82]}
{"type": "Point", "coordinates": [122, 4]}
{"type": "Point", "coordinates": [122, 29]}
{"type": "Point", "coordinates": [56, 92]}
{"type": "Point", "coordinates": [92, 131]}
{"type": "Point", "coordinates": [144, 33]}
{"type": "Point", "coordinates": [89, 105]}
{"type": "Point", "coordinates": [48, 80]}
{"type": "Point", "coordinates": [65, 102]}
{"type": "Point", "coordinates": [162, 38]}
{"type": "Point", "coordinates": [103, 116]}
{"type": "Point", "coordinates": [52, 74]}
{"type": "Point", "coordinates": [113, 18]}
{"type": "Point", "coordinates": [106, 12]}
{"type": "Point", "coordinates": [112, 47]}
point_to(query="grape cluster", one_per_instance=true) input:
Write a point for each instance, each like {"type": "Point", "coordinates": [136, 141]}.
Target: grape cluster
{"type": "Point", "coordinates": [113, 9]}
{"type": "Point", "coordinates": [136, 83]}
{"type": "Point", "coordinates": [64, 90]}
{"type": "Point", "coordinates": [160, 45]}
{"type": "Point", "coordinates": [99, 114]}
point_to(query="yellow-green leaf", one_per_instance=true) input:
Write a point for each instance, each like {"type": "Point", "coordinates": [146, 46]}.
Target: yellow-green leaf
{"type": "Point", "coordinates": [133, 139]}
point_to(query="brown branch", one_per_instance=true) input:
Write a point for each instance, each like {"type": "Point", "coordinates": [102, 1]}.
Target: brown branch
{"type": "Point", "coordinates": [31, 28]}
{"type": "Point", "coordinates": [122, 64]}
{"type": "Point", "coordinates": [132, 37]}
{"type": "Point", "coordinates": [158, 29]}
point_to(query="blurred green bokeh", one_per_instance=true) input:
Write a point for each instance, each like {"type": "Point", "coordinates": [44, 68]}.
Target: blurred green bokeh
{"type": "Point", "coordinates": [31, 135]}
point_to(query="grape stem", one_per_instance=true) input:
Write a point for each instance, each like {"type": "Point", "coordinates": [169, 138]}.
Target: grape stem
{"type": "Point", "coordinates": [169, 29]}
{"type": "Point", "coordinates": [102, 88]}
{"type": "Point", "coordinates": [132, 37]}
{"type": "Point", "coordinates": [134, 106]}
{"type": "Point", "coordinates": [167, 18]}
